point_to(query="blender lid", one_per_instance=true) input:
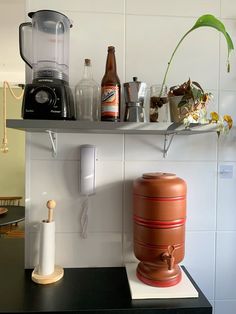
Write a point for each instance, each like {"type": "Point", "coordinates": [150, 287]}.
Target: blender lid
{"type": "Point", "coordinates": [31, 14]}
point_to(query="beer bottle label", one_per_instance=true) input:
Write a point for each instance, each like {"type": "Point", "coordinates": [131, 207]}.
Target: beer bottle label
{"type": "Point", "coordinates": [110, 101]}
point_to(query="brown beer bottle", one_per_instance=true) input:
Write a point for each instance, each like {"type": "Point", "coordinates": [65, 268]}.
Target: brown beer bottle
{"type": "Point", "coordinates": [110, 88]}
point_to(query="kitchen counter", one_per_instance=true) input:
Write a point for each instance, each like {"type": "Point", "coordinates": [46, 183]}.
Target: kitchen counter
{"type": "Point", "coordinates": [81, 290]}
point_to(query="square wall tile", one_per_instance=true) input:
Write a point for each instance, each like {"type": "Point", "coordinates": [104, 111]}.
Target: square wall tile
{"type": "Point", "coordinates": [227, 101]}
{"type": "Point", "coordinates": [11, 65]}
{"type": "Point", "coordinates": [201, 190]}
{"type": "Point", "coordinates": [97, 250]}
{"type": "Point", "coordinates": [184, 7]}
{"type": "Point", "coordinates": [108, 146]}
{"type": "Point", "coordinates": [225, 265]}
{"type": "Point", "coordinates": [183, 147]}
{"type": "Point", "coordinates": [227, 149]}
{"type": "Point", "coordinates": [148, 58]}
{"type": "Point", "coordinates": [228, 80]}
{"type": "Point", "coordinates": [226, 214]}
{"type": "Point", "coordinates": [113, 6]}
{"type": "Point", "coordinates": [143, 147]}
{"type": "Point", "coordinates": [59, 180]}
{"type": "Point", "coordinates": [200, 260]}
{"type": "Point", "coordinates": [90, 37]}
{"type": "Point", "coordinates": [40, 146]}
{"type": "Point", "coordinates": [128, 248]}
{"type": "Point", "coordinates": [228, 9]}
{"type": "Point", "coordinates": [225, 306]}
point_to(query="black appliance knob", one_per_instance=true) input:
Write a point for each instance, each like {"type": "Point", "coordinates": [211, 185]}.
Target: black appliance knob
{"type": "Point", "coordinates": [44, 96]}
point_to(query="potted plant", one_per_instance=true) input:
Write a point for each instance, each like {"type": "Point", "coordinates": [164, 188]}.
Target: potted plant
{"type": "Point", "coordinates": [189, 99]}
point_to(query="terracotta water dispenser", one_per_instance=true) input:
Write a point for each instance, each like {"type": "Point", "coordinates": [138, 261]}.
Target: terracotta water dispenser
{"type": "Point", "coordinates": [159, 205]}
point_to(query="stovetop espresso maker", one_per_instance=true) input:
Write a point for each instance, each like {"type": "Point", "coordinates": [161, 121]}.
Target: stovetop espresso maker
{"type": "Point", "coordinates": [44, 46]}
{"type": "Point", "coordinates": [135, 94]}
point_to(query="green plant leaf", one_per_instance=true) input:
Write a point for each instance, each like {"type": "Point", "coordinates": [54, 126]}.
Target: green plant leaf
{"type": "Point", "coordinates": [198, 85]}
{"type": "Point", "coordinates": [206, 20]}
{"type": "Point", "coordinates": [209, 20]}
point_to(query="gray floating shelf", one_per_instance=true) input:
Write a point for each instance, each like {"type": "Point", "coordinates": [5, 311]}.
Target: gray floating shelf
{"type": "Point", "coordinates": [52, 127]}
{"type": "Point", "coordinates": [59, 126]}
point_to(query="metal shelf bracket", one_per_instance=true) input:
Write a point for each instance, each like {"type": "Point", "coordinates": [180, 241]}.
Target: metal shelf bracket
{"type": "Point", "coordinates": [53, 140]}
{"type": "Point", "coordinates": [167, 142]}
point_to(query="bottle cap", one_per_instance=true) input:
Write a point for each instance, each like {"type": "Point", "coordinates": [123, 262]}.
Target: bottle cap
{"type": "Point", "coordinates": [111, 48]}
{"type": "Point", "coordinates": [87, 62]}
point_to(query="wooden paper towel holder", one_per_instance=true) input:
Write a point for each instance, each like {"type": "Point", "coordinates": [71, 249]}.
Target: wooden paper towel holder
{"type": "Point", "coordinates": [58, 270]}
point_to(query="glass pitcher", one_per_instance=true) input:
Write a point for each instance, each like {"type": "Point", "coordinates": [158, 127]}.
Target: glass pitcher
{"type": "Point", "coordinates": [44, 44]}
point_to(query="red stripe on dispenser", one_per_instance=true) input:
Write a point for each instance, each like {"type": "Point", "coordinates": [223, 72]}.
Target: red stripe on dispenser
{"type": "Point", "coordinates": [159, 223]}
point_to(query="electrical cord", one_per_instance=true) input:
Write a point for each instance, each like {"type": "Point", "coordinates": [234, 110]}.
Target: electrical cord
{"type": "Point", "coordinates": [84, 217]}
{"type": "Point", "coordinates": [4, 147]}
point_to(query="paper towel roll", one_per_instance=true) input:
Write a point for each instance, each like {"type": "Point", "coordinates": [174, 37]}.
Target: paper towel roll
{"type": "Point", "coordinates": [47, 248]}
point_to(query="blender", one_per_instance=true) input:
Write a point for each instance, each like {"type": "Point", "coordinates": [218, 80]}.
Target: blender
{"type": "Point", "coordinates": [44, 46]}
{"type": "Point", "coordinates": [135, 94]}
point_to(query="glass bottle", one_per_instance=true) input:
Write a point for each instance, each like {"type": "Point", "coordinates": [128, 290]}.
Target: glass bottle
{"type": "Point", "coordinates": [110, 98]}
{"type": "Point", "coordinates": [87, 95]}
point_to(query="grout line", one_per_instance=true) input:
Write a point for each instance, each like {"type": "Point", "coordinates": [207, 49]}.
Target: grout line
{"type": "Point", "coordinates": [217, 176]}
{"type": "Point", "coordinates": [123, 203]}
{"type": "Point", "coordinates": [123, 157]}
{"type": "Point", "coordinates": [125, 39]}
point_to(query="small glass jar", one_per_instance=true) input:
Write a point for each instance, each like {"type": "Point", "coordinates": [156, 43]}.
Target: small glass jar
{"type": "Point", "coordinates": [159, 104]}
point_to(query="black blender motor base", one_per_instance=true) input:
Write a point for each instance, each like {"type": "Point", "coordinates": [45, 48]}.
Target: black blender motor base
{"type": "Point", "coordinates": [48, 101]}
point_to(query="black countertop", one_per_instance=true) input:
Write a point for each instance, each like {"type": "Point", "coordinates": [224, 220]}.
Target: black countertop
{"type": "Point", "coordinates": [81, 290]}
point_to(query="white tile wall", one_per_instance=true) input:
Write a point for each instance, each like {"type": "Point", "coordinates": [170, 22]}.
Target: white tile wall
{"type": "Point", "coordinates": [227, 80]}
{"type": "Point", "coordinates": [228, 9]}
{"type": "Point", "coordinates": [225, 265]}
{"type": "Point", "coordinates": [144, 34]}
{"type": "Point", "coordinates": [167, 8]}
{"type": "Point", "coordinates": [228, 307]}
{"type": "Point", "coordinates": [91, 34]}
{"type": "Point", "coordinates": [226, 214]}
{"type": "Point", "coordinates": [148, 59]}
{"type": "Point", "coordinates": [12, 13]}
{"type": "Point", "coordinates": [111, 6]}
{"type": "Point", "coordinates": [200, 259]}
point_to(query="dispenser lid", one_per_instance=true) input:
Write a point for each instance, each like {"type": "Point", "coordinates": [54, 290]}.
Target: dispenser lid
{"type": "Point", "coordinates": [158, 175]}
{"type": "Point", "coordinates": [160, 184]}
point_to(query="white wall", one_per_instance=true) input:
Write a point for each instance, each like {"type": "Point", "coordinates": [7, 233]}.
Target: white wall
{"type": "Point", "coordinates": [12, 164]}
{"type": "Point", "coordinates": [144, 34]}
{"type": "Point", "coordinates": [12, 13]}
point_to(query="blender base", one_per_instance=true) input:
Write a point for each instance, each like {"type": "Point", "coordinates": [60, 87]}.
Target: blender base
{"type": "Point", "coordinates": [48, 101]}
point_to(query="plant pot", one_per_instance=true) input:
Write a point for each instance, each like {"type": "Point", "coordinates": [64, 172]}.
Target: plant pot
{"type": "Point", "coordinates": [177, 114]}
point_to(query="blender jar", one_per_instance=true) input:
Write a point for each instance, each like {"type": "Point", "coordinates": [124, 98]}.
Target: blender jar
{"type": "Point", "coordinates": [50, 44]}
